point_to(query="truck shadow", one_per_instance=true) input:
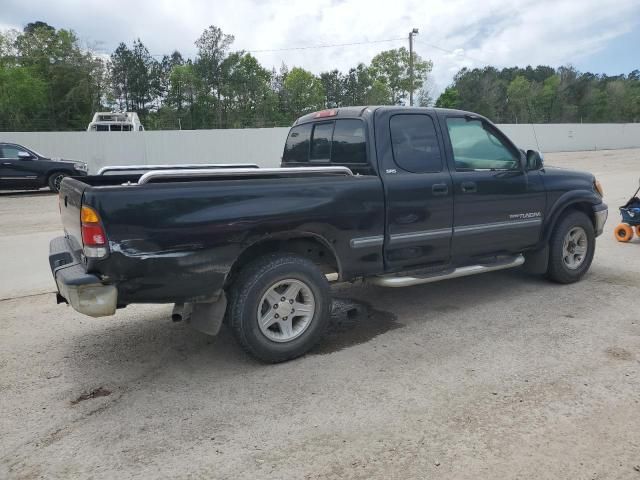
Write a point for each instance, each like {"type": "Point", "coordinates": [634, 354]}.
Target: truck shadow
{"type": "Point", "coordinates": [144, 347]}
{"type": "Point", "coordinates": [354, 322]}
{"type": "Point", "coordinates": [135, 350]}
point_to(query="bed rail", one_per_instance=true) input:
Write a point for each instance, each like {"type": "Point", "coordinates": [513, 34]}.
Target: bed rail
{"type": "Point", "coordinates": [192, 166]}
{"type": "Point", "coordinates": [242, 172]}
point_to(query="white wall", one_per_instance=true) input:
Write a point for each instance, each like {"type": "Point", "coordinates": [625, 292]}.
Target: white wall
{"type": "Point", "coordinates": [573, 137]}
{"type": "Point", "coordinates": [263, 146]}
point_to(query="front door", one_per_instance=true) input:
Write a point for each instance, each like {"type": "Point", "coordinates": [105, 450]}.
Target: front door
{"type": "Point", "coordinates": [16, 171]}
{"type": "Point", "coordinates": [418, 190]}
{"type": "Point", "coordinates": [498, 205]}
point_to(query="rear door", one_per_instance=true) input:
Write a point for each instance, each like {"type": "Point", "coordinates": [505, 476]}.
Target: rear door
{"type": "Point", "coordinates": [418, 189]}
{"type": "Point", "coordinates": [498, 205]}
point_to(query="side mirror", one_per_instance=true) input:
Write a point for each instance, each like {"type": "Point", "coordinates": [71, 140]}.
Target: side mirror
{"type": "Point", "coordinates": [24, 156]}
{"type": "Point", "coordinates": [535, 160]}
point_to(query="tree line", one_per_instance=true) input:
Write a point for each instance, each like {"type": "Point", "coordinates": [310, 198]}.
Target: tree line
{"type": "Point", "coordinates": [48, 81]}
{"type": "Point", "coordinates": [545, 95]}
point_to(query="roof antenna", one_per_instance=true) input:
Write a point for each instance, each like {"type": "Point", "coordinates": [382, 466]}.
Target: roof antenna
{"type": "Point", "coordinates": [533, 127]}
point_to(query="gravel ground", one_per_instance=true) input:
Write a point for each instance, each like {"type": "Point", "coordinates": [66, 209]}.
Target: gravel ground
{"type": "Point", "coordinates": [501, 375]}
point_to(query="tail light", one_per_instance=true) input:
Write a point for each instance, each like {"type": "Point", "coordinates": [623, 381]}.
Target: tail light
{"type": "Point", "coordinates": [94, 239]}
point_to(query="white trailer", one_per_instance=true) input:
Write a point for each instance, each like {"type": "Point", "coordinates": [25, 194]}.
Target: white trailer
{"type": "Point", "coordinates": [115, 122]}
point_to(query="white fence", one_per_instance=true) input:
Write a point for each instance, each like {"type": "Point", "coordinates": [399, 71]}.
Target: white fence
{"type": "Point", "coordinates": [263, 146]}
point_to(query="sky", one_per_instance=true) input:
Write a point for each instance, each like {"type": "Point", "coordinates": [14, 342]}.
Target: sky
{"type": "Point", "coordinates": [599, 36]}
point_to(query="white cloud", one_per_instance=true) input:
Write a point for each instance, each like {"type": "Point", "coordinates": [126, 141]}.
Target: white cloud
{"type": "Point", "coordinates": [518, 32]}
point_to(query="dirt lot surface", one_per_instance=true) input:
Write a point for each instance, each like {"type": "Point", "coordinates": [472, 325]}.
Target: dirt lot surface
{"type": "Point", "coordinates": [497, 376]}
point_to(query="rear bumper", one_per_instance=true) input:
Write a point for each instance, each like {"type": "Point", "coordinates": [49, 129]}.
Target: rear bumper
{"type": "Point", "coordinates": [83, 291]}
{"type": "Point", "coordinates": [600, 214]}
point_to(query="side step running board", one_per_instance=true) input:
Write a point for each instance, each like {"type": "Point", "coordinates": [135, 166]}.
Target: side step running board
{"type": "Point", "coordinates": [395, 281]}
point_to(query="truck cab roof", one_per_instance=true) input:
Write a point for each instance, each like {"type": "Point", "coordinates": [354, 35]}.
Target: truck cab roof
{"type": "Point", "coordinates": [366, 110]}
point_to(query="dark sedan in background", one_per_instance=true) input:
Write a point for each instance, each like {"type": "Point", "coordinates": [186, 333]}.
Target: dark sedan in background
{"type": "Point", "coordinates": [23, 169]}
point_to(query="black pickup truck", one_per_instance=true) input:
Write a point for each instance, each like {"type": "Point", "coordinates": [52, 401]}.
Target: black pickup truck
{"type": "Point", "coordinates": [395, 196]}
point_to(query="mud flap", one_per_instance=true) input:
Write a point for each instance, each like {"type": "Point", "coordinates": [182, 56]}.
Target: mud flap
{"type": "Point", "coordinates": [206, 317]}
{"type": "Point", "coordinates": [537, 261]}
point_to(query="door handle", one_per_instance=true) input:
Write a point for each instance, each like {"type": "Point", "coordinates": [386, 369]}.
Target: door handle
{"type": "Point", "coordinates": [440, 189]}
{"type": "Point", "coordinates": [469, 187]}
{"type": "Point", "coordinates": [7, 163]}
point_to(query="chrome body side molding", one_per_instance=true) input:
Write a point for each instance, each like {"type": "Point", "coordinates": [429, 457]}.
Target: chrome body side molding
{"type": "Point", "coordinates": [470, 229]}
{"type": "Point", "coordinates": [365, 242]}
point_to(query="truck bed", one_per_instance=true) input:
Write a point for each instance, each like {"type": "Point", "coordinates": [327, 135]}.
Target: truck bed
{"type": "Point", "coordinates": [175, 237]}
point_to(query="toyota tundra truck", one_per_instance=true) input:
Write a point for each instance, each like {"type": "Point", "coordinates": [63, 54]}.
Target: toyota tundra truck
{"type": "Point", "coordinates": [393, 196]}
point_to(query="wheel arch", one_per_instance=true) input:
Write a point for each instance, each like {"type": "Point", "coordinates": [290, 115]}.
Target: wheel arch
{"type": "Point", "coordinates": [306, 244]}
{"type": "Point", "coordinates": [58, 170]}
{"type": "Point", "coordinates": [53, 171]}
{"type": "Point", "coordinates": [571, 201]}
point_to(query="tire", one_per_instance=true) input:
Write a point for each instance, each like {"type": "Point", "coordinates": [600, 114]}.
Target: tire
{"type": "Point", "coordinates": [251, 299]}
{"type": "Point", "coordinates": [623, 232]}
{"type": "Point", "coordinates": [55, 179]}
{"type": "Point", "coordinates": [571, 248]}
{"type": "Point", "coordinates": [637, 230]}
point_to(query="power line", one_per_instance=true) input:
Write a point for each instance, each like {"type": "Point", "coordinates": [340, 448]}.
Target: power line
{"type": "Point", "coordinates": [368, 42]}
{"type": "Point", "coordinates": [454, 52]}
{"type": "Point", "coordinates": [308, 47]}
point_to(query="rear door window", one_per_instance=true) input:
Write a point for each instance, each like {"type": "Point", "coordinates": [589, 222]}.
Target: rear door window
{"type": "Point", "coordinates": [349, 143]}
{"type": "Point", "coordinates": [415, 143]}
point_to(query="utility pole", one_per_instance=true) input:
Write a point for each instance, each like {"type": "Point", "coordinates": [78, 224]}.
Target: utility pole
{"type": "Point", "coordinates": [411, 34]}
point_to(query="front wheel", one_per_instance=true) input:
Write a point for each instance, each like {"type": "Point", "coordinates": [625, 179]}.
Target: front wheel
{"type": "Point", "coordinates": [55, 180]}
{"type": "Point", "coordinates": [571, 248]}
{"type": "Point", "coordinates": [279, 307]}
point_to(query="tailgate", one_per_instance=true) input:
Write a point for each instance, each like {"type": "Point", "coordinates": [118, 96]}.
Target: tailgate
{"type": "Point", "coordinates": [70, 198]}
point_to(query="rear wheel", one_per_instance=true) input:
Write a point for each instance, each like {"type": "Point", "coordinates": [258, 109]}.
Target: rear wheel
{"type": "Point", "coordinates": [55, 180]}
{"type": "Point", "coordinates": [571, 248]}
{"type": "Point", "coordinates": [637, 230]}
{"type": "Point", "coordinates": [623, 232]}
{"type": "Point", "coordinates": [279, 307]}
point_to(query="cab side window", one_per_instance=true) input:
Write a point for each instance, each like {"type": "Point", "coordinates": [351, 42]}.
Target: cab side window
{"type": "Point", "coordinates": [415, 143]}
{"type": "Point", "coordinates": [321, 142]}
{"type": "Point", "coordinates": [475, 147]}
{"type": "Point", "coordinates": [296, 150]}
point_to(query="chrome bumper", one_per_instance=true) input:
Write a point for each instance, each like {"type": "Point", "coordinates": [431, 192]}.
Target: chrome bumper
{"type": "Point", "coordinates": [83, 291]}
{"type": "Point", "coordinates": [600, 214]}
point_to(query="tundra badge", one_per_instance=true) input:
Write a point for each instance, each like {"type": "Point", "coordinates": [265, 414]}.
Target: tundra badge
{"type": "Point", "coordinates": [522, 216]}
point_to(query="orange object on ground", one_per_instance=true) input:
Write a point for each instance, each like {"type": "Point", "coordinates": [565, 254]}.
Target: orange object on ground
{"type": "Point", "coordinates": [623, 232]}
